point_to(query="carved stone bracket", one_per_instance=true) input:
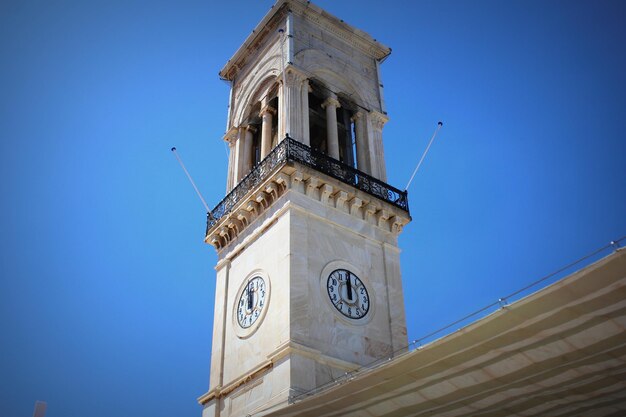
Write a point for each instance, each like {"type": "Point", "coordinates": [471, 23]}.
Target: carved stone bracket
{"type": "Point", "coordinates": [341, 197]}
{"type": "Point", "coordinates": [314, 175]}
{"type": "Point", "coordinates": [325, 192]}
{"type": "Point", "coordinates": [355, 206]}
{"type": "Point", "coordinates": [312, 184]}
{"type": "Point", "coordinates": [370, 213]}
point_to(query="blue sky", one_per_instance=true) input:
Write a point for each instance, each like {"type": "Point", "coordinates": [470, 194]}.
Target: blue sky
{"type": "Point", "coordinates": [106, 286]}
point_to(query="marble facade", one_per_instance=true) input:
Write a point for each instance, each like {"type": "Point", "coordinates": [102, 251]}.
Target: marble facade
{"type": "Point", "coordinates": [299, 224]}
{"type": "Point", "coordinates": [295, 44]}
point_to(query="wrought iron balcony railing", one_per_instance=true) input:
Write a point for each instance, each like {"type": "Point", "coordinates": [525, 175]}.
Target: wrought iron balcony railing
{"type": "Point", "coordinates": [290, 150]}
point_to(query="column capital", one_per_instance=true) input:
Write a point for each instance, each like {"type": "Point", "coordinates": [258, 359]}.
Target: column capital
{"type": "Point", "coordinates": [294, 77]}
{"type": "Point", "coordinates": [358, 115]}
{"type": "Point", "coordinates": [331, 101]}
{"type": "Point", "coordinates": [250, 128]}
{"type": "Point", "coordinates": [307, 84]}
{"type": "Point", "coordinates": [378, 119]}
{"type": "Point", "coordinates": [267, 109]}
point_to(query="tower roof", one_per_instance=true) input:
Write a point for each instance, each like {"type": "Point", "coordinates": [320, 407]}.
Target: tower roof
{"type": "Point", "coordinates": [305, 9]}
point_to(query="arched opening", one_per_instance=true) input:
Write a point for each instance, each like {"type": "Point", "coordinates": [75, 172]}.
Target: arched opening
{"type": "Point", "coordinates": [261, 120]}
{"type": "Point", "coordinates": [317, 118]}
{"type": "Point", "coordinates": [253, 122]}
{"type": "Point", "coordinates": [346, 132]}
{"type": "Point", "coordinates": [319, 125]}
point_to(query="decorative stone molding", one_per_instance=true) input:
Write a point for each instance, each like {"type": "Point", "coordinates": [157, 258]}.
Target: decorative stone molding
{"type": "Point", "coordinates": [367, 199]}
{"type": "Point", "coordinates": [264, 31]}
{"type": "Point", "coordinates": [272, 190]}
{"type": "Point", "coordinates": [378, 119]}
{"type": "Point", "coordinates": [267, 110]}
{"type": "Point", "coordinates": [283, 180]}
{"type": "Point", "coordinates": [325, 192]}
{"type": "Point", "coordinates": [331, 101]}
{"type": "Point", "coordinates": [298, 181]}
{"type": "Point", "coordinates": [352, 36]}
{"type": "Point", "coordinates": [232, 135]}
{"type": "Point", "coordinates": [253, 208]}
{"type": "Point", "coordinates": [340, 201]}
{"type": "Point", "coordinates": [370, 210]}
{"type": "Point", "coordinates": [234, 224]}
{"type": "Point", "coordinates": [314, 185]}
{"type": "Point", "coordinates": [243, 216]}
{"type": "Point", "coordinates": [263, 199]}
{"type": "Point", "coordinates": [355, 206]}
{"type": "Point", "coordinates": [382, 218]}
{"type": "Point", "coordinates": [294, 77]}
{"type": "Point", "coordinates": [357, 116]}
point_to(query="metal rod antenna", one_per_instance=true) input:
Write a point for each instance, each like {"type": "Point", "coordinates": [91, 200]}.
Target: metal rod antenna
{"type": "Point", "coordinates": [424, 155]}
{"type": "Point", "coordinates": [191, 180]}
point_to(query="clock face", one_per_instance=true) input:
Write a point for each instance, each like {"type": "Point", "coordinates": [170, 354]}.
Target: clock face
{"type": "Point", "coordinates": [348, 294]}
{"type": "Point", "coordinates": [252, 301]}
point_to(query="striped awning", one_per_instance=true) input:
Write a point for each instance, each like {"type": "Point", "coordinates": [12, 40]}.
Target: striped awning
{"type": "Point", "coordinates": [558, 352]}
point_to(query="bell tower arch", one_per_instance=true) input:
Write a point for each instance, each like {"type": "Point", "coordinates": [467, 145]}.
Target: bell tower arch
{"type": "Point", "coordinates": [308, 283]}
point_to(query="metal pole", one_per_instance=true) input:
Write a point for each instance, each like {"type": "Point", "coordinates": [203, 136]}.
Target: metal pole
{"type": "Point", "coordinates": [191, 180]}
{"type": "Point", "coordinates": [424, 155]}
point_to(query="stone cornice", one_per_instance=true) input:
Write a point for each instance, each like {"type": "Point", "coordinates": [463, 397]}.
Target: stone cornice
{"type": "Point", "coordinates": [349, 34]}
{"type": "Point", "coordinates": [224, 235]}
{"type": "Point", "coordinates": [269, 21]}
{"type": "Point", "coordinates": [314, 14]}
{"type": "Point", "coordinates": [232, 134]}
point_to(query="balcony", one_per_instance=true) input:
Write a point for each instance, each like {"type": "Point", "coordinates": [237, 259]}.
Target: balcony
{"type": "Point", "coordinates": [289, 151]}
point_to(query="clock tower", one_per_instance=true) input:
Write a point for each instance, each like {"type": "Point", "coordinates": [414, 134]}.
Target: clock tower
{"type": "Point", "coordinates": [308, 273]}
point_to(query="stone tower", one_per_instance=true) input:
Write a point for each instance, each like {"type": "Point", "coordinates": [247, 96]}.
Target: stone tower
{"type": "Point", "coordinates": [308, 274]}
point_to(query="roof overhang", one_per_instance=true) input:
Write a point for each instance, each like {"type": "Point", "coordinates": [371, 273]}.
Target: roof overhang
{"type": "Point", "coordinates": [314, 14]}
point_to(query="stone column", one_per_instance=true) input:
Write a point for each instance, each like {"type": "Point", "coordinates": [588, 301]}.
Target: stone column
{"type": "Point", "coordinates": [306, 133]}
{"type": "Point", "coordinates": [267, 114]}
{"type": "Point", "coordinates": [248, 131]}
{"type": "Point", "coordinates": [332, 144]}
{"type": "Point", "coordinates": [362, 150]}
{"type": "Point", "coordinates": [231, 167]}
{"type": "Point", "coordinates": [281, 111]}
{"type": "Point", "coordinates": [240, 155]}
{"type": "Point", "coordinates": [231, 138]}
{"type": "Point", "coordinates": [378, 153]}
{"type": "Point", "coordinates": [292, 110]}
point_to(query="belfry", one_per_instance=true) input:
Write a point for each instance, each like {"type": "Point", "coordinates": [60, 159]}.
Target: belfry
{"type": "Point", "coordinates": [308, 274]}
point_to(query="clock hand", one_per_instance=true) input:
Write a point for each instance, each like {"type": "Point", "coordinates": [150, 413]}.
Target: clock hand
{"type": "Point", "coordinates": [349, 292]}
{"type": "Point", "coordinates": [250, 296]}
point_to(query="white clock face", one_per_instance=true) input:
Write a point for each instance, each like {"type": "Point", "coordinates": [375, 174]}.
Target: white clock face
{"type": "Point", "coordinates": [348, 294]}
{"type": "Point", "coordinates": [251, 303]}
